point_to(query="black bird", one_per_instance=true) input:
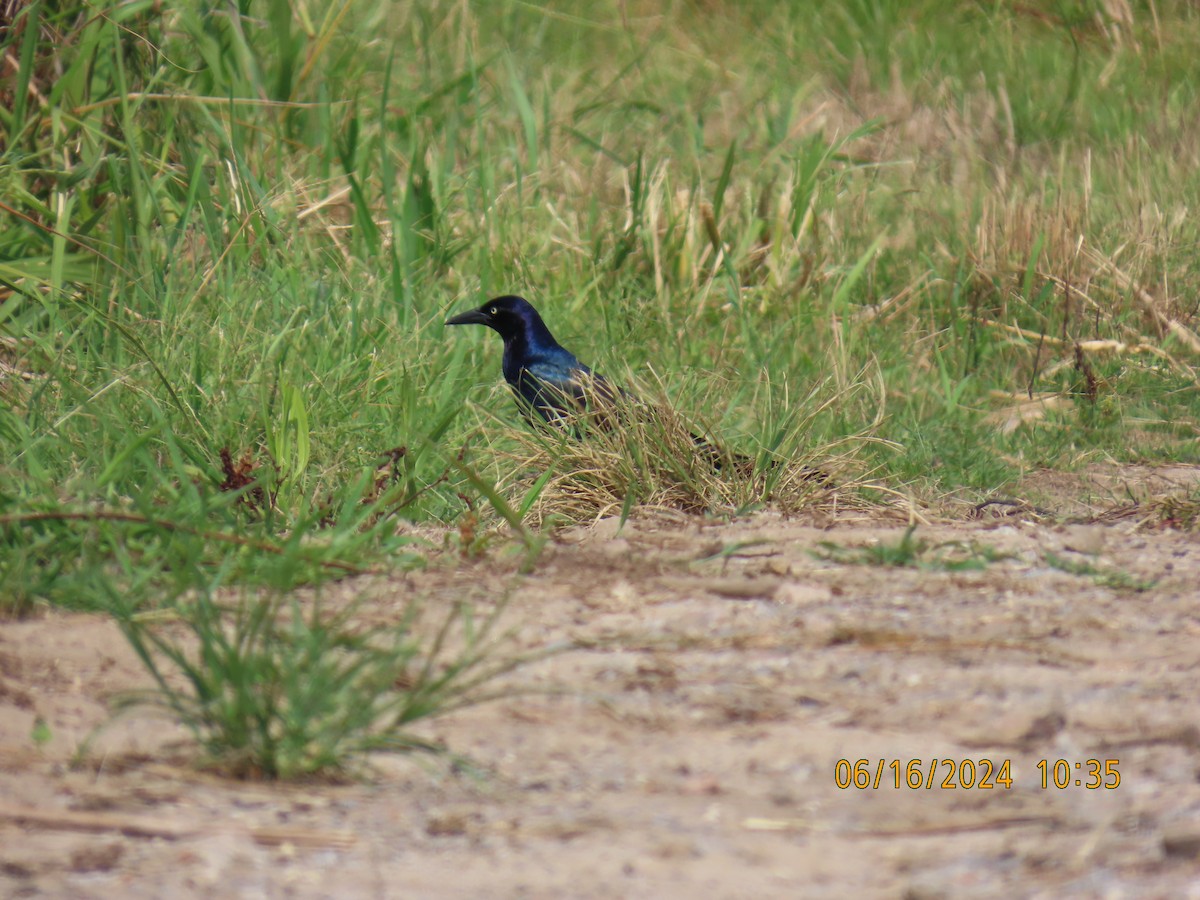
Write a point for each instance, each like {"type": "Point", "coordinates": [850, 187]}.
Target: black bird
{"type": "Point", "coordinates": [549, 378]}
{"type": "Point", "coordinates": [545, 375]}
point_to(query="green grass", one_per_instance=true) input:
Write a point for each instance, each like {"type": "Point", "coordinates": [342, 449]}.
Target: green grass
{"type": "Point", "coordinates": [828, 229]}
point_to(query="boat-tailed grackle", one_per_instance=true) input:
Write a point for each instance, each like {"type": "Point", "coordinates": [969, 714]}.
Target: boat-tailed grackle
{"type": "Point", "coordinates": [549, 379]}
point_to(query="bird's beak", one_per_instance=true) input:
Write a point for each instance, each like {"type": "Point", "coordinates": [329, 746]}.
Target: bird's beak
{"type": "Point", "coordinates": [474, 317]}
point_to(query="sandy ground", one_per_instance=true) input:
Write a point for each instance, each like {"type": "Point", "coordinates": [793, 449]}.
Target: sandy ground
{"type": "Point", "coordinates": [691, 746]}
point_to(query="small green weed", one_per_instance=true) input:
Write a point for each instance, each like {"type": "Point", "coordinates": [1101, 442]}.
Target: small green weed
{"type": "Point", "coordinates": [1105, 577]}
{"type": "Point", "coordinates": [915, 552]}
{"type": "Point", "coordinates": [1179, 510]}
{"type": "Point", "coordinates": [270, 690]}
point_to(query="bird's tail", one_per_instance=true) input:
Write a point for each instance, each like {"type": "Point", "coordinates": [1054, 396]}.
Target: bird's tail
{"type": "Point", "coordinates": [722, 460]}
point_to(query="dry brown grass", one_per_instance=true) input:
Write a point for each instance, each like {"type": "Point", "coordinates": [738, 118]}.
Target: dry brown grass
{"type": "Point", "coordinates": [626, 452]}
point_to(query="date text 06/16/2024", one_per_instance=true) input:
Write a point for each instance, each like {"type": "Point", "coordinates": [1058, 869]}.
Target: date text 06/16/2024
{"type": "Point", "coordinates": [972, 774]}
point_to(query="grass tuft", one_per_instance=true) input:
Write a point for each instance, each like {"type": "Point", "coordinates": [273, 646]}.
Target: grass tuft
{"type": "Point", "coordinates": [272, 690]}
{"type": "Point", "coordinates": [628, 452]}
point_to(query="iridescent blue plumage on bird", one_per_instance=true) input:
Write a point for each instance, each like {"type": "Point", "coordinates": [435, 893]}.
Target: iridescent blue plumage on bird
{"type": "Point", "coordinates": [550, 379]}
{"type": "Point", "coordinates": [545, 376]}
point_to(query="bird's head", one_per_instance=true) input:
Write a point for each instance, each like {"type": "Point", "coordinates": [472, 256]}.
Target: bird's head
{"type": "Point", "coordinates": [509, 315]}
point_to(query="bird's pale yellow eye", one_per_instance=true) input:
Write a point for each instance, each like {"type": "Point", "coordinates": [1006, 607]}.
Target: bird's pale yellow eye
{"type": "Point", "coordinates": [493, 311]}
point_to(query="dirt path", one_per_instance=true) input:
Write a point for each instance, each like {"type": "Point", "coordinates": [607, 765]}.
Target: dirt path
{"type": "Point", "coordinates": [695, 748]}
